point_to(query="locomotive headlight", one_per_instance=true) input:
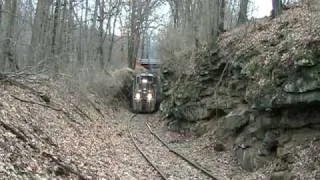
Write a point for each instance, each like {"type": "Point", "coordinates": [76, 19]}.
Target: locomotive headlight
{"type": "Point", "coordinates": [144, 81]}
{"type": "Point", "coordinates": [149, 96]}
{"type": "Point", "coordinates": [138, 96]}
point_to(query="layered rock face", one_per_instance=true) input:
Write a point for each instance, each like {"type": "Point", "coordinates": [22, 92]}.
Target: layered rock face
{"type": "Point", "coordinates": [261, 85]}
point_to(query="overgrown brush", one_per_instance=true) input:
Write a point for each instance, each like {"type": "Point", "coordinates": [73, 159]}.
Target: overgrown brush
{"type": "Point", "coordinates": [111, 86]}
{"type": "Point", "coordinates": [115, 88]}
{"type": "Point", "coordinates": [177, 53]}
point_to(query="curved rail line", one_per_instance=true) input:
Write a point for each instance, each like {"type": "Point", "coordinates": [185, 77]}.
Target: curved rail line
{"type": "Point", "coordinates": [161, 173]}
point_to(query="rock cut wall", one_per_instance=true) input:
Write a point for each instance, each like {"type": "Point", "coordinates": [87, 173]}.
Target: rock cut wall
{"type": "Point", "coordinates": [263, 81]}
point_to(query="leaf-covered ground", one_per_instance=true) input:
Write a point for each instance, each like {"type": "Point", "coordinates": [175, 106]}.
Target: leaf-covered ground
{"type": "Point", "coordinates": [72, 141]}
{"type": "Point", "coordinates": [80, 137]}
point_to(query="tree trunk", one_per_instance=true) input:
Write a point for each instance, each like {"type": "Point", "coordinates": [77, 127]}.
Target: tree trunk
{"type": "Point", "coordinates": [69, 27]}
{"type": "Point", "coordinates": [131, 38]}
{"type": "Point", "coordinates": [147, 51]}
{"type": "Point", "coordinates": [54, 44]}
{"type": "Point", "coordinates": [143, 41]}
{"type": "Point", "coordinates": [242, 18]}
{"type": "Point", "coordinates": [1, 9]}
{"type": "Point", "coordinates": [222, 15]}
{"type": "Point", "coordinates": [174, 5]}
{"type": "Point", "coordinates": [276, 8]}
{"type": "Point", "coordinates": [214, 7]}
{"type": "Point", "coordinates": [101, 34]}
{"type": "Point", "coordinates": [55, 27]}
{"type": "Point", "coordinates": [86, 34]}
{"type": "Point", "coordinates": [112, 40]}
{"type": "Point", "coordinates": [61, 44]}
{"type": "Point", "coordinates": [9, 56]}
{"type": "Point", "coordinates": [37, 47]}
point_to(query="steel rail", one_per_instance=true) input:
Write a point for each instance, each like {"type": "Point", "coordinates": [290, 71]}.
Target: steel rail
{"type": "Point", "coordinates": [192, 163]}
{"type": "Point", "coordinates": [144, 154]}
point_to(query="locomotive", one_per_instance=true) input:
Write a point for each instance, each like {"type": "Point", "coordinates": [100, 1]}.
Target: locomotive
{"type": "Point", "coordinates": [145, 93]}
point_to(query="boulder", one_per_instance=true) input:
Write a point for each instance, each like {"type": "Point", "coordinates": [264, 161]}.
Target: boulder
{"type": "Point", "coordinates": [249, 159]}
{"type": "Point", "coordinates": [219, 147]}
{"type": "Point", "coordinates": [192, 112]}
{"type": "Point", "coordinates": [269, 144]}
{"type": "Point", "coordinates": [234, 122]}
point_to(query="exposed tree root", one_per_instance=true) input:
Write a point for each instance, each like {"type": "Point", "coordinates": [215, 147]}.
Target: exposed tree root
{"type": "Point", "coordinates": [38, 132]}
{"type": "Point", "coordinates": [95, 107]}
{"type": "Point", "coordinates": [65, 167]}
{"type": "Point", "coordinates": [41, 95]}
{"type": "Point", "coordinates": [18, 134]}
{"type": "Point", "coordinates": [81, 112]}
{"type": "Point", "coordinates": [37, 103]}
{"type": "Point", "coordinates": [47, 106]}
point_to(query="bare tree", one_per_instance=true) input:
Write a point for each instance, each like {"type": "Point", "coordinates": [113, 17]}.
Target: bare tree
{"type": "Point", "coordinates": [39, 32]}
{"type": "Point", "coordinates": [105, 13]}
{"type": "Point", "coordinates": [1, 10]}
{"type": "Point", "coordinates": [112, 33]}
{"type": "Point", "coordinates": [222, 5]}
{"type": "Point", "coordinates": [133, 33]}
{"type": "Point", "coordinates": [175, 5]}
{"type": "Point", "coordinates": [56, 22]}
{"type": "Point", "coordinates": [242, 18]}
{"type": "Point", "coordinates": [62, 34]}
{"type": "Point", "coordinates": [8, 46]}
{"type": "Point", "coordinates": [140, 12]}
{"type": "Point", "coordinates": [276, 8]}
{"type": "Point", "coordinates": [214, 21]}
{"type": "Point", "coordinates": [113, 13]}
{"type": "Point", "coordinates": [101, 20]}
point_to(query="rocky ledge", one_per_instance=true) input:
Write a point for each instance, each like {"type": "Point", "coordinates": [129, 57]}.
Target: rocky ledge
{"type": "Point", "coordinates": [261, 87]}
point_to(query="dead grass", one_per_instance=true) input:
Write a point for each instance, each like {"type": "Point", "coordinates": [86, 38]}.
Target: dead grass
{"type": "Point", "coordinates": [177, 50]}
{"type": "Point", "coordinates": [113, 89]}
{"type": "Point", "coordinates": [112, 86]}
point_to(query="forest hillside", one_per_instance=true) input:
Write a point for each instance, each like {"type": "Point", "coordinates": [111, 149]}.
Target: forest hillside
{"type": "Point", "coordinates": [241, 96]}
{"type": "Point", "coordinates": [258, 89]}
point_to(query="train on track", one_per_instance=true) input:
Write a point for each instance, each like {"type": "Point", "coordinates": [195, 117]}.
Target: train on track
{"type": "Point", "coordinates": [145, 93]}
{"type": "Point", "coordinates": [146, 90]}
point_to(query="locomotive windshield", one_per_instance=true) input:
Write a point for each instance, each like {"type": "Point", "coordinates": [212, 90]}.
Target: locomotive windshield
{"type": "Point", "coordinates": [145, 79]}
{"type": "Point", "coordinates": [145, 82]}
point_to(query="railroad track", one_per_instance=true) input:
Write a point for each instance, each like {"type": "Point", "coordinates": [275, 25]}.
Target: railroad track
{"type": "Point", "coordinates": [169, 163]}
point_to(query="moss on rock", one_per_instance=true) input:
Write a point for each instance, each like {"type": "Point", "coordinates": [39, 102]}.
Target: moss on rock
{"type": "Point", "coordinates": [272, 67]}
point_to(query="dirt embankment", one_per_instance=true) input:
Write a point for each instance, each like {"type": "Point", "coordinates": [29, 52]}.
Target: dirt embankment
{"type": "Point", "coordinates": [66, 135]}
{"type": "Point", "coordinates": [48, 132]}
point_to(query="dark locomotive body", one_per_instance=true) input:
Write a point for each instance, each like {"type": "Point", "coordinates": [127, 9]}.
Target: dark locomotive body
{"type": "Point", "coordinates": [145, 93]}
